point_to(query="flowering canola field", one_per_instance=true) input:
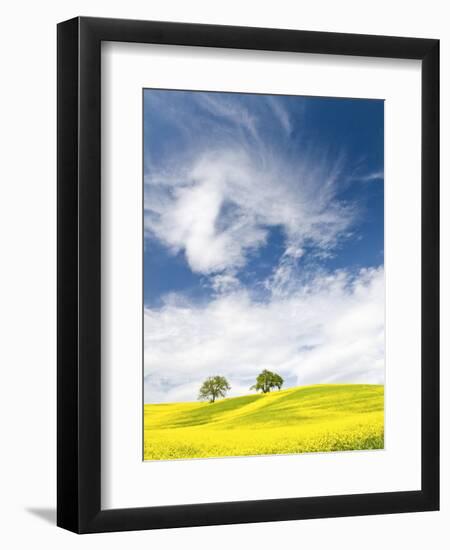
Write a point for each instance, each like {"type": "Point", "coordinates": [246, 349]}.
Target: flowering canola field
{"type": "Point", "coordinates": [319, 418]}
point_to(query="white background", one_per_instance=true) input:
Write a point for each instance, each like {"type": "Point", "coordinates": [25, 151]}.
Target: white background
{"type": "Point", "coordinates": [126, 480]}
{"type": "Point", "coordinates": [28, 271]}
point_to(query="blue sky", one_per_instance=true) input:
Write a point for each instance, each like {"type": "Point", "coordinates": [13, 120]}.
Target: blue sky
{"type": "Point", "coordinates": [261, 207]}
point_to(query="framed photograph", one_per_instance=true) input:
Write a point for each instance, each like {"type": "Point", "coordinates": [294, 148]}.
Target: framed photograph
{"type": "Point", "coordinates": [248, 275]}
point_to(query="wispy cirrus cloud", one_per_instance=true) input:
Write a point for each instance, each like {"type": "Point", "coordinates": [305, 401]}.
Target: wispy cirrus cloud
{"type": "Point", "coordinates": [221, 207]}
{"type": "Point", "coordinates": [377, 175]}
{"type": "Point", "coordinates": [280, 113]}
{"type": "Point", "coordinates": [219, 200]}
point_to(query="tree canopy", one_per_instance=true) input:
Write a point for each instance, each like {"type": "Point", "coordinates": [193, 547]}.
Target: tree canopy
{"type": "Point", "coordinates": [267, 380]}
{"type": "Point", "coordinates": [213, 388]}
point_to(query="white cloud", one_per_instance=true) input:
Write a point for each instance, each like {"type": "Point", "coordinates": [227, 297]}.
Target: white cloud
{"type": "Point", "coordinates": [218, 207]}
{"type": "Point", "coordinates": [372, 176]}
{"type": "Point", "coordinates": [230, 109]}
{"type": "Point", "coordinates": [280, 113]}
{"type": "Point", "coordinates": [285, 276]}
{"type": "Point", "coordinates": [328, 330]}
{"type": "Point", "coordinates": [217, 197]}
{"type": "Point", "coordinates": [224, 283]}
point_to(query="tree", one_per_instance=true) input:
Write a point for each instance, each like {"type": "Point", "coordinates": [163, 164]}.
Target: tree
{"type": "Point", "coordinates": [214, 387]}
{"type": "Point", "coordinates": [267, 380]}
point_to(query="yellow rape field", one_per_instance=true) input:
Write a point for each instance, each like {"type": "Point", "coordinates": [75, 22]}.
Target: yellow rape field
{"type": "Point", "coordinates": [320, 418]}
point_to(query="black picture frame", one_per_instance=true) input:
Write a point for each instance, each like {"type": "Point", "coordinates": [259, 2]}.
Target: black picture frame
{"type": "Point", "coordinates": [79, 280]}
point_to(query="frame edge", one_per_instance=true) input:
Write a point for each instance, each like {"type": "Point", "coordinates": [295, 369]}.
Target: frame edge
{"type": "Point", "coordinates": [67, 276]}
{"type": "Point", "coordinates": [430, 276]}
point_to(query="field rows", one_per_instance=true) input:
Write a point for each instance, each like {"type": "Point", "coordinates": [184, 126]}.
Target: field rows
{"type": "Point", "coordinates": [321, 418]}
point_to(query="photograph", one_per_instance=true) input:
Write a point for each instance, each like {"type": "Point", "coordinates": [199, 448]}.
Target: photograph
{"type": "Point", "coordinates": [263, 274]}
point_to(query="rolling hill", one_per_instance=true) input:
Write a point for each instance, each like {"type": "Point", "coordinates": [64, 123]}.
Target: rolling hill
{"type": "Point", "coordinates": [319, 418]}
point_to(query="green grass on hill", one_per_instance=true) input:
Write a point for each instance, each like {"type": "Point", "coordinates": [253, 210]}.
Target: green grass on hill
{"type": "Point", "coordinates": [320, 418]}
